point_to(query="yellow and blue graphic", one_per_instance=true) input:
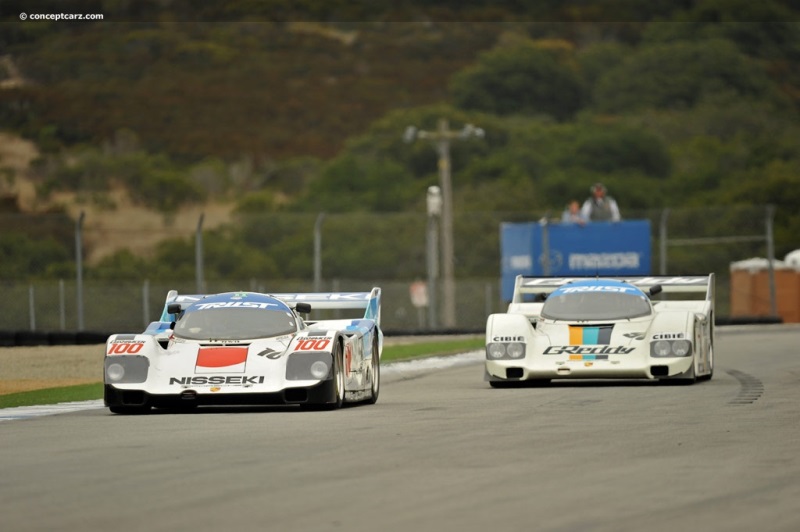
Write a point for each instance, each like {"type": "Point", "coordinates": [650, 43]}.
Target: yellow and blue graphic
{"type": "Point", "coordinates": [590, 335]}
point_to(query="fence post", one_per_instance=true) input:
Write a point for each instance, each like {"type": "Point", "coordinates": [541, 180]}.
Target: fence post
{"type": "Point", "coordinates": [662, 242]}
{"type": "Point", "coordinates": [146, 302]}
{"type": "Point", "coordinates": [198, 255]}
{"type": "Point", "coordinates": [61, 305]}
{"type": "Point", "coordinates": [31, 310]}
{"type": "Point", "coordinates": [318, 252]}
{"type": "Point", "coordinates": [545, 246]}
{"type": "Point", "coordinates": [488, 295]}
{"type": "Point", "coordinates": [79, 267]}
{"type": "Point", "coordinates": [771, 259]}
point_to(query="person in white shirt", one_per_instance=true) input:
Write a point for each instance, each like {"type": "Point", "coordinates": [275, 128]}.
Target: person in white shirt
{"type": "Point", "coordinates": [572, 214]}
{"type": "Point", "coordinates": [600, 207]}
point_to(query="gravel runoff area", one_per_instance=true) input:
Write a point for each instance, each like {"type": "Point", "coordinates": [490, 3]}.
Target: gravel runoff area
{"type": "Point", "coordinates": [24, 369]}
{"type": "Point", "coordinates": [34, 368]}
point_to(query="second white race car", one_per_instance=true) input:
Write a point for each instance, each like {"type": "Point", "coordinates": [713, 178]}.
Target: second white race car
{"type": "Point", "coordinates": [595, 328]}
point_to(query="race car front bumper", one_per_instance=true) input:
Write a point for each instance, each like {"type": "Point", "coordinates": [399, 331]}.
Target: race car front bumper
{"type": "Point", "coordinates": [321, 393]}
{"type": "Point", "coordinates": [549, 369]}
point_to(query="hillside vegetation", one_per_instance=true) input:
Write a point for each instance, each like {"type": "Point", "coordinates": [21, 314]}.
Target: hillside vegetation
{"type": "Point", "coordinates": [284, 108]}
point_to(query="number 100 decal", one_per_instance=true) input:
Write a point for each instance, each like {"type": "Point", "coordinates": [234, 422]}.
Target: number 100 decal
{"type": "Point", "coordinates": [313, 344]}
{"type": "Point", "coordinates": [125, 349]}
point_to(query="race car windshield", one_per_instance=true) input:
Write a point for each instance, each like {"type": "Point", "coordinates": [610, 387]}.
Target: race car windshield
{"type": "Point", "coordinates": [595, 306]}
{"type": "Point", "coordinates": [234, 324]}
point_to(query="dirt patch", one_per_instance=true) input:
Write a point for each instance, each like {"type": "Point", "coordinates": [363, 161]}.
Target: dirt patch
{"type": "Point", "coordinates": [110, 225]}
{"type": "Point", "coordinates": [24, 369]}
{"type": "Point", "coordinates": [34, 368]}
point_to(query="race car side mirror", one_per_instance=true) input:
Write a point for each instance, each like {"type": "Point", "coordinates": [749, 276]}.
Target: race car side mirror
{"type": "Point", "coordinates": [656, 289]}
{"type": "Point", "coordinates": [174, 308]}
{"type": "Point", "coordinates": [303, 308]}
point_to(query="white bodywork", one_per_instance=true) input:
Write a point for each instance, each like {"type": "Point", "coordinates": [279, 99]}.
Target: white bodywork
{"type": "Point", "coordinates": [160, 368]}
{"type": "Point", "coordinates": [543, 349]}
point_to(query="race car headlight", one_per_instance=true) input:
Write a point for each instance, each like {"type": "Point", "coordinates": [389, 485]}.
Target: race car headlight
{"type": "Point", "coordinates": [305, 366]}
{"type": "Point", "coordinates": [502, 350]}
{"type": "Point", "coordinates": [661, 348]}
{"type": "Point", "coordinates": [115, 372]}
{"type": "Point", "coordinates": [671, 348]}
{"type": "Point", "coordinates": [126, 369]}
{"type": "Point", "coordinates": [319, 369]}
{"type": "Point", "coordinates": [495, 351]}
{"type": "Point", "coordinates": [681, 348]}
{"type": "Point", "coordinates": [515, 350]}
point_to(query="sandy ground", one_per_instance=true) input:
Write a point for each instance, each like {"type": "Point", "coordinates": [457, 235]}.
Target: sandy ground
{"type": "Point", "coordinates": [24, 369]}
{"type": "Point", "coordinates": [33, 368]}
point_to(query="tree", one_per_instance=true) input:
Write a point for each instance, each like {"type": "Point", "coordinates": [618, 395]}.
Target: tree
{"type": "Point", "coordinates": [526, 78]}
{"type": "Point", "coordinates": [678, 75]}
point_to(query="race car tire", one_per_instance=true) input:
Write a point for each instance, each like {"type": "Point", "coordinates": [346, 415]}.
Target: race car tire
{"type": "Point", "coordinates": [130, 410]}
{"type": "Point", "coordinates": [338, 377]}
{"type": "Point", "coordinates": [376, 374]}
{"type": "Point", "coordinates": [711, 365]}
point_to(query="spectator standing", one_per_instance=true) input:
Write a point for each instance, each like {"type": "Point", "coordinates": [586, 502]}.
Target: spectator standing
{"type": "Point", "coordinates": [572, 214]}
{"type": "Point", "coordinates": [600, 207]}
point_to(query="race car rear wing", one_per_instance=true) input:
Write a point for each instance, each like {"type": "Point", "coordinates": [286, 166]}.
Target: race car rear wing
{"type": "Point", "coordinates": [370, 301]}
{"type": "Point", "coordinates": [698, 284]}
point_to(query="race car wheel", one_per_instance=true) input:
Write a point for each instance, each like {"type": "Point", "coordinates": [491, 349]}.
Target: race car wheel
{"type": "Point", "coordinates": [710, 364]}
{"type": "Point", "coordinates": [376, 373]}
{"type": "Point", "coordinates": [338, 377]}
{"type": "Point", "coordinates": [338, 381]}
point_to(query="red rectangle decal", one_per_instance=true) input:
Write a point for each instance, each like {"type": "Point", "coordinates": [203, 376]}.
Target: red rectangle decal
{"type": "Point", "coordinates": [221, 359]}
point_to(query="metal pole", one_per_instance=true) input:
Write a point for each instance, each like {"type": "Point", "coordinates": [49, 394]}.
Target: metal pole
{"type": "Point", "coordinates": [62, 309]}
{"type": "Point", "coordinates": [434, 202]}
{"type": "Point", "coordinates": [79, 267]}
{"type": "Point", "coordinates": [32, 311]}
{"type": "Point", "coordinates": [146, 302]}
{"type": "Point", "coordinates": [545, 246]}
{"type": "Point", "coordinates": [448, 267]}
{"type": "Point", "coordinates": [318, 252]}
{"type": "Point", "coordinates": [662, 242]}
{"type": "Point", "coordinates": [441, 138]}
{"type": "Point", "coordinates": [433, 272]}
{"type": "Point", "coordinates": [771, 259]}
{"type": "Point", "coordinates": [198, 255]}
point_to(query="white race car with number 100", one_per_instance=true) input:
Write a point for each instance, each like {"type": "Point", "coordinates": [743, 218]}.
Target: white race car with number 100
{"type": "Point", "coordinates": [247, 348]}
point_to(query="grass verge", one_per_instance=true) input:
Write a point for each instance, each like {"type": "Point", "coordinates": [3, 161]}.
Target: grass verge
{"type": "Point", "coordinates": [393, 353]}
{"type": "Point", "coordinates": [50, 396]}
{"type": "Point", "coordinates": [87, 392]}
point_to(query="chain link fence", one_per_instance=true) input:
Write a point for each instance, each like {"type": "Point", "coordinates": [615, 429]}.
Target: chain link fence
{"type": "Point", "coordinates": [334, 252]}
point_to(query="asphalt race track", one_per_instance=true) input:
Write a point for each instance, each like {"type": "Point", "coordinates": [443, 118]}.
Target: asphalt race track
{"type": "Point", "coordinates": [440, 451]}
